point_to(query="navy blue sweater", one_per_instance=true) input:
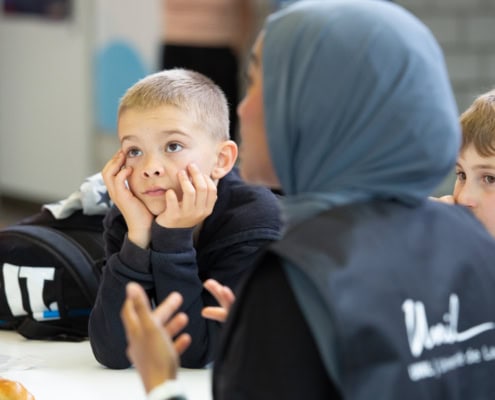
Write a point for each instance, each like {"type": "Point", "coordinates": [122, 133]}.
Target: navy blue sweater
{"type": "Point", "coordinates": [244, 219]}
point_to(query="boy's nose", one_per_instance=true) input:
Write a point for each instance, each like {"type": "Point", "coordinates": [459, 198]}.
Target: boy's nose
{"type": "Point", "coordinates": [467, 197]}
{"type": "Point", "coordinates": [153, 168]}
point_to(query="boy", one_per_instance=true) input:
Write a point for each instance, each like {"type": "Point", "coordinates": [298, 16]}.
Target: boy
{"type": "Point", "coordinates": [475, 168]}
{"type": "Point", "coordinates": [182, 214]}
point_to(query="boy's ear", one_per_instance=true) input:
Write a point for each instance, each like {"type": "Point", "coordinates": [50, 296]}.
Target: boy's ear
{"type": "Point", "coordinates": [226, 158]}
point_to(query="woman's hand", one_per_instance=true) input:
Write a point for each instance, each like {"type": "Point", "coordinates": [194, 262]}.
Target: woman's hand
{"type": "Point", "coordinates": [149, 335]}
{"type": "Point", "coordinates": [137, 217]}
{"type": "Point", "coordinates": [225, 298]}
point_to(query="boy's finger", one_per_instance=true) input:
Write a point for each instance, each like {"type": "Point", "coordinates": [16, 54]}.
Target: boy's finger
{"type": "Point", "coordinates": [172, 206]}
{"type": "Point", "coordinates": [114, 165]}
{"type": "Point", "coordinates": [212, 193]}
{"type": "Point", "coordinates": [122, 175]}
{"type": "Point", "coordinates": [200, 185]}
{"type": "Point", "coordinates": [188, 190]}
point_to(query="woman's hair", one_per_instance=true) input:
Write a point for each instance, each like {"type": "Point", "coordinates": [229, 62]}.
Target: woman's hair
{"type": "Point", "coordinates": [187, 90]}
{"type": "Point", "coordinates": [478, 125]}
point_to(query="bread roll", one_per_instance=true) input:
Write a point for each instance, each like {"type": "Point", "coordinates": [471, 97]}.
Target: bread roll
{"type": "Point", "coordinates": [12, 390]}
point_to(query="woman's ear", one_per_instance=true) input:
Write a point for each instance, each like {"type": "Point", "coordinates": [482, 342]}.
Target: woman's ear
{"type": "Point", "coordinates": [226, 158]}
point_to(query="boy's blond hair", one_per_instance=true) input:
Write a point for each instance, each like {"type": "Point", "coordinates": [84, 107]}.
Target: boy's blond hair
{"type": "Point", "coordinates": [187, 90]}
{"type": "Point", "coordinates": [478, 125]}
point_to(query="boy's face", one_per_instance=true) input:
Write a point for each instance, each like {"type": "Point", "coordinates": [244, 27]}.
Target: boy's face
{"type": "Point", "coordinates": [475, 185]}
{"type": "Point", "coordinates": [158, 143]}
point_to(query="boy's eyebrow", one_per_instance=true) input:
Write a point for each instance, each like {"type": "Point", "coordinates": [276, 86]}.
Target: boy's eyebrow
{"type": "Point", "coordinates": [478, 166]}
{"type": "Point", "coordinates": [484, 166]}
{"type": "Point", "coordinates": [165, 132]}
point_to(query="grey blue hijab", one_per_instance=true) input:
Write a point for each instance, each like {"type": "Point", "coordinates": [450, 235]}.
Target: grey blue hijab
{"type": "Point", "coordinates": [358, 104]}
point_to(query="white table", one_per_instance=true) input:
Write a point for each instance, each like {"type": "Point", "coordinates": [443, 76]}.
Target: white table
{"type": "Point", "coordinates": [63, 370]}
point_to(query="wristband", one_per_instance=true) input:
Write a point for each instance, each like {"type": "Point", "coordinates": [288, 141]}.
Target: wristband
{"type": "Point", "coordinates": [168, 390]}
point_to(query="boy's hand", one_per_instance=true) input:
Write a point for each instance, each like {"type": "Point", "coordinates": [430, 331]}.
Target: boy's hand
{"type": "Point", "coordinates": [149, 335]}
{"type": "Point", "coordinates": [448, 199]}
{"type": "Point", "coordinates": [199, 194]}
{"type": "Point", "coordinates": [225, 298]}
{"type": "Point", "coordinates": [136, 215]}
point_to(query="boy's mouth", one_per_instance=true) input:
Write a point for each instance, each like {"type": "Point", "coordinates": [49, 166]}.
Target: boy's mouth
{"type": "Point", "coordinates": [156, 191]}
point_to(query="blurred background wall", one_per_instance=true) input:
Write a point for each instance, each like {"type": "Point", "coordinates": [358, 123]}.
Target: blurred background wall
{"type": "Point", "coordinates": [60, 80]}
{"type": "Point", "coordinates": [61, 77]}
{"type": "Point", "coordinates": [466, 31]}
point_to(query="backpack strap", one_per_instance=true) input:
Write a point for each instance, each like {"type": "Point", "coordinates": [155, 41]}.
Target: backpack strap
{"type": "Point", "coordinates": [32, 329]}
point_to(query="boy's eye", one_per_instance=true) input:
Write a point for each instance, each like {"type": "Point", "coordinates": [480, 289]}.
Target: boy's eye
{"type": "Point", "coordinates": [489, 179]}
{"type": "Point", "coordinates": [173, 147]}
{"type": "Point", "coordinates": [461, 176]}
{"type": "Point", "coordinates": [133, 153]}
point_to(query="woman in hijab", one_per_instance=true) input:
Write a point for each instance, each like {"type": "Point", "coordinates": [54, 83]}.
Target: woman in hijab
{"type": "Point", "coordinates": [374, 291]}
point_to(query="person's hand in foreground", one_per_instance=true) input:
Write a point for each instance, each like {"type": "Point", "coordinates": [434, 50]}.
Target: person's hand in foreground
{"type": "Point", "coordinates": [225, 298]}
{"type": "Point", "coordinates": [149, 334]}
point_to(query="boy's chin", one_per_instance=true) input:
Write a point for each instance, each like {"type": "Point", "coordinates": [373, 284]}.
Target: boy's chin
{"type": "Point", "coordinates": [155, 209]}
{"type": "Point", "coordinates": [157, 206]}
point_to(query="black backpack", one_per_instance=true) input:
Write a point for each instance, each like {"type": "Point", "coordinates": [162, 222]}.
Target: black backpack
{"type": "Point", "coordinates": [49, 274]}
